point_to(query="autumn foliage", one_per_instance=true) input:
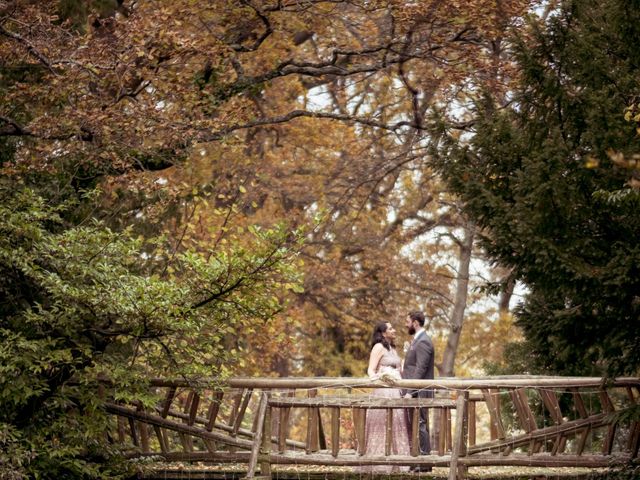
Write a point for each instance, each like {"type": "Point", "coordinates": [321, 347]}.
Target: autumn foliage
{"type": "Point", "coordinates": [207, 138]}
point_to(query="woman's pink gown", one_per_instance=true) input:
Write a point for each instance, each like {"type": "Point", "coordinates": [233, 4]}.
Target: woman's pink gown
{"type": "Point", "coordinates": [390, 364]}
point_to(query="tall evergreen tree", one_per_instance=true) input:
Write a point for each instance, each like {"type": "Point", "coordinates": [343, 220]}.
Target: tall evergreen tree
{"type": "Point", "coordinates": [546, 179]}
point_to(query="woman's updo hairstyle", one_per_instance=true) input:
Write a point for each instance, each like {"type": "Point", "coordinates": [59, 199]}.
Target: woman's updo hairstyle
{"type": "Point", "coordinates": [378, 330]}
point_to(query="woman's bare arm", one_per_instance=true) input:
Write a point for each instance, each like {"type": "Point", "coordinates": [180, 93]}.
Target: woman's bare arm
{"type": "Point", "coordinates": [374, 359]}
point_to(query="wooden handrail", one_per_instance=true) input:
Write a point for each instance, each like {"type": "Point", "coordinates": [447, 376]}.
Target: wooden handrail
{"type": "Point", "coordinates": [445, 383]}
{"type": "Point", "coordinates": [353, 401]}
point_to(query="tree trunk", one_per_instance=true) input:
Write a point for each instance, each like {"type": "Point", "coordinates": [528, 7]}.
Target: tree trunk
{"type": "Point", "coordinates": [507, 293]}
{"type": "Point", "coordinates": [457, 319]}
{"type": "Point", "coordinates": [460, 302]}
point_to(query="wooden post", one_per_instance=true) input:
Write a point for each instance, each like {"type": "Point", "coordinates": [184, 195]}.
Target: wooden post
{"type": "Point", "coordinates": [214, 408]}
{"type": "Point", "coordinates": [237, 421]}
{"type": "Point", "coordinates": [521, 405]}
{"type": "Point", "coordinates": [524, 415]}
{"type": "Point", "coordinates": [529, 418]}
{"type": "Point", "coordinates": [442, 444]}
{"type": "Point", "coordinates": [283, 422]}
{"type": "Point", "coordinates": [359, 423]}
{"type": "Point", "coordinates": [144, 437]}
{"type": "Point", "coordinates": [134, 433]}
{"type": "Point", "coordinates": [634, 440]}
{"type": "Point", "coordinates": [121, 432]}
{"type": "Point", "coordinates": [335, 431]}
{"type": "Point", "coordinates": [634, 429]}
{"type": "Point", "coordinates": [211, 445]}
{"type": "Point", "coordinates": [493, 431]}
{"type": "Point", "coordinates": [265, 464]}
{"type": "Point", "coordinates": [458, 471]}
{"type": "Point", "coordinates": [257, 439]}
{"type": "Point", "coordinates": [322, 439]}
{"type": "Point", "coordinates": [144, 433]}
{"type": "Point", "coordinates": [234, 414]}
{"type": "Point", "coordinates": [193, 408]}
{"type": "Point", "coordinates": [236, 405]}
{"type": "Point", "coordinates": [415, 432]}
{"type": "Point", "coordinates": [550, 401]}
{"type": "Point", "coordinates": [212, 413]}
{"type": "Point", "coordinates": [312, 425]}
{"type": "Point", "coordinates": [472, 422]}
{"type": "Point", "coordinates": [579, 403]}
{"type": "Point", "coordinates": [582, 411]}
{"type": "Point", "coordinates": [186, 440]}
{"type": "Point", "coordinates": [583, 440]}
{"type": "Point", "coordinates": [102, 395]}
{"type": "Point", "coordinates": [607, 446]}
{"type": "Point", "coordinates": [283, 425]}
{"type": "Point", "coordinates": [171, 393]}
{"type": "Point", "coordinates": [493, 405]}
{"type": "Point", "coordinates": [607, 407]}
{"type": "Point", "coordinates": [388, 434]}
{"type": "Point", "coordinates": [449, 441]}
{"type": "Point", "coordinates": [162, 439]}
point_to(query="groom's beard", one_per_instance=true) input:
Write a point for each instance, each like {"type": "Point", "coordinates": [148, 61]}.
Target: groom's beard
{"type": "Point", "coordinates": [411, 330]}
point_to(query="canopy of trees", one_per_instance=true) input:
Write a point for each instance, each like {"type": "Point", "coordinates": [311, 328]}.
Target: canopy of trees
{"type": "Point", "coordinates": [84, 303]}
{"type": "Point", "coordinates": [553, 180]}
{"type": "Point", "coordinates": [199, 120]}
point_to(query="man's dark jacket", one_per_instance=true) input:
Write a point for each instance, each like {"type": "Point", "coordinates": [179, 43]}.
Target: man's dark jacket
{"type": "Point", "coordinates": [418, 363]}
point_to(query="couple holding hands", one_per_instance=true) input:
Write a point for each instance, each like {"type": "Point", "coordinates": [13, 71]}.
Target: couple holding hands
{"type": "Point", "coordinates": [384, 361]}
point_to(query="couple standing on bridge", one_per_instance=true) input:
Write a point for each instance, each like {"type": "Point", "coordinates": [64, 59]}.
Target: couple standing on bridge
{"type": "Point", "coordinates": [384, 361]}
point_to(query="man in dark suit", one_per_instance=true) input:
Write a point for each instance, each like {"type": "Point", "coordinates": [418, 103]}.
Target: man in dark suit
{"type": "Point", "coordinates": [418, 364]}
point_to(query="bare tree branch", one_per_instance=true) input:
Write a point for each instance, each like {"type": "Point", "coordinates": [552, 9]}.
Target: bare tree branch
{"type": "Point", "coordinates": [30, 48]}
{"type": "Point", "coordinates": [15, 129]}
{"type": "Point", "coordinates": [305, 113]}
{"type": "Point", "coordinates": [268, 31]}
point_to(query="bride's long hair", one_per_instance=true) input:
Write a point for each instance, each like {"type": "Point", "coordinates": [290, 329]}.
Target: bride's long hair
{"type": "Point", "coordinates": [378, 330]}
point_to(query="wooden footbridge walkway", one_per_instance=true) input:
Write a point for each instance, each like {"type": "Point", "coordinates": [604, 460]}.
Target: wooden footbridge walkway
{"type": "Point", "coordinates": [509, 421]}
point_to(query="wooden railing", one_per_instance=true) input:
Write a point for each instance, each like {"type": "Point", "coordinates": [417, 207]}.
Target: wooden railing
{"type": "Point", "coordinates": [531, 421]}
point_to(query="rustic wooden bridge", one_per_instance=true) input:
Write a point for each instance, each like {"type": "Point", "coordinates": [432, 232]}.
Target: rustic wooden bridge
{"type": "Point", "coordinates": [509, 421]}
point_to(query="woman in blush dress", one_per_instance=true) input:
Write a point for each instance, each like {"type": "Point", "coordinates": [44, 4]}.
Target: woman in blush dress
{"type": "Point", "coordinates": [384, 362]}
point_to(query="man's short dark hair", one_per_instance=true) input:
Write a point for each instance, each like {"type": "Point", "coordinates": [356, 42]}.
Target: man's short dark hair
{"type": "Point", "coordinates": [418, 316]}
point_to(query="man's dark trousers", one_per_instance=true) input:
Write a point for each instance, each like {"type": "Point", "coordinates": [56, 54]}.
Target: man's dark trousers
{"type": "Point", "coordinates": [418, 365]}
